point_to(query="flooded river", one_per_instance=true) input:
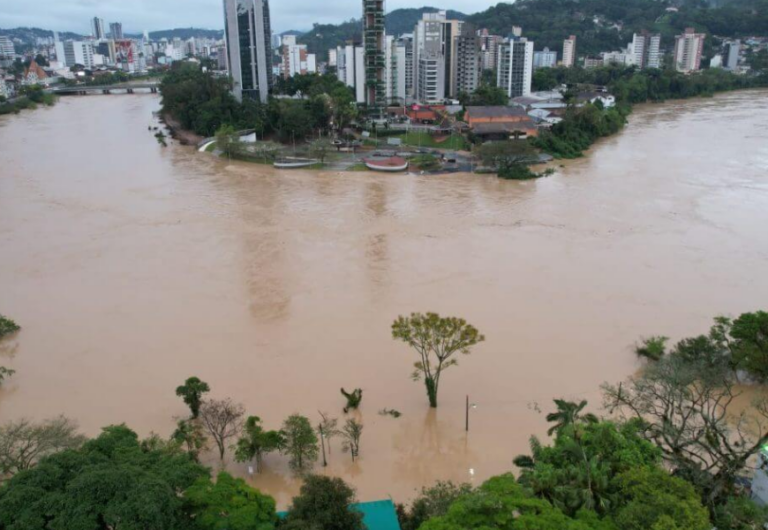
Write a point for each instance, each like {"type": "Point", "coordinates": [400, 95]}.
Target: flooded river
{"type": "Point", "coordinates": [131, 267]}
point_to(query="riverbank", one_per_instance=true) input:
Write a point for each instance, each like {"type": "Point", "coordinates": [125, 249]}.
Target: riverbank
{"type": "Point", "coordinates": [18, 104]}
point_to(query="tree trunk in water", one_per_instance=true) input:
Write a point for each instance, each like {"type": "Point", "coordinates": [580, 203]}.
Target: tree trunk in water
{"type": "Point", "coordinates": [431, 392]}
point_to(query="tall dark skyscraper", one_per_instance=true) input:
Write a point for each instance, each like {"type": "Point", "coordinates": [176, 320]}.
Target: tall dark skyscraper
{"type": "Point", "coordinates": [97, 28]}
{"type": "Point", "coordinates": [248, 33]}
{"type": "Point", "coordinates": [116, 29]}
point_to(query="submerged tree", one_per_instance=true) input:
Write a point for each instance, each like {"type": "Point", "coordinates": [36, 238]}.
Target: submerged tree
{"type": "Point", "coordinates": [5, 373]}
{"type": "Point", "coordinates": [255, 442]}
{"type": "Point", "coordinates": [327, 429]}
{"type": "Point", "coordinates": [7, 326]}
{"type": "Point", "coordinates": [436, 339]}
{"type": "Point", "coordinates": [300, 442]}
{"type": "Point", "coordinates": [353, 398]}
{"type": "Point", "coordinates": [568, 413]}
{"type": "Point", "coordinates": [192, 393]}
{"type": "Point", "coordinates": [23, 443]}
{"type": "Point", "coordinates": [222, 419]}
{"type": "Point", "coordinates": [190, 435]}
{"type": "Point", "coordinates": [352, 432]}
{"type": "Point", "coordinates": [685, 402]}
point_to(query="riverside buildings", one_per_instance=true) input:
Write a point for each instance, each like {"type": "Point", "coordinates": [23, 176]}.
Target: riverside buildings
{"type": "Point", "coordinates": [688, 49]}
{"type": "Point", "coordinates": [248, 34]}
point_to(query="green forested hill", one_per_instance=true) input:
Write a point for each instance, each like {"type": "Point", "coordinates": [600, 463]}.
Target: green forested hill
{"type": "Point", "coordinates": [608, 24]}
{"type": "Point", "coordinates": [600, 25]}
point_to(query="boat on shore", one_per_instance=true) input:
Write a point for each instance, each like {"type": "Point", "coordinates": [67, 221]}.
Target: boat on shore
{"type": "Point", "coordinates": [293, 163]}
{"type": "Point", "coordinates": [391, 164]}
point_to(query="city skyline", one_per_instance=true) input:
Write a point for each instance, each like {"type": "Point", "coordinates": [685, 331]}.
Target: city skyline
{"type": "Point", "coordinates": [76, 15]}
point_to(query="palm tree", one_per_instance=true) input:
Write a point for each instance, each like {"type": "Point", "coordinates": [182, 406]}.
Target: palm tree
{"type": "Point", "coordinates": [569, 413]}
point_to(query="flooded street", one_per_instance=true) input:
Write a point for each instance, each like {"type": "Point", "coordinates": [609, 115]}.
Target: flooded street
{"type": "Point", "coordinates": [131, 267]}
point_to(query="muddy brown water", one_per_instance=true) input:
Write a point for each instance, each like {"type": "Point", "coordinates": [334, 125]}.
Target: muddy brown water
{"type": "Point", "coordinates": [131, 266]}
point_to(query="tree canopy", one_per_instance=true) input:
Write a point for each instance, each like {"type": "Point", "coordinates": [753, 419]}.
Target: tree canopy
{"type": "Point", "coordinates": [324, 503]}
{"type": "Point", "coordinates": [110, 482]}
{"type": "Point", "coordinates": [436, 340]}
{"type": "Point", "coordinates": [228, 504]}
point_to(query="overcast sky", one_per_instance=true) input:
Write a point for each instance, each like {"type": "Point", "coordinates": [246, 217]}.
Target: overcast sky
{"type": "Point", "coordinates": [137, 15]}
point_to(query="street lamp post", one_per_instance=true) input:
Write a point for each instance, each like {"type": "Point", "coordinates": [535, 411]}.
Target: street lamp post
{"type": "Point", "coordinates": [466, 416]}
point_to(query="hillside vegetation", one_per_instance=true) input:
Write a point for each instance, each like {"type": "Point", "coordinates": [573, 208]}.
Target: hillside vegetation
{"type": "Point", "coordinates": [600, 25]}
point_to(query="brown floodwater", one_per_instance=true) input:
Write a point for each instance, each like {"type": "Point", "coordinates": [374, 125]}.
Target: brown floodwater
{"type": "Point", "coordinates": [131, 266]}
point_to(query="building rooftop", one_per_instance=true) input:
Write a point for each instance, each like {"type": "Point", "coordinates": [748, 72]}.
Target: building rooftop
{"type": "Point", "coordinates": [482, 129]}
{"type": "Point", "coordinates": [494, 112]}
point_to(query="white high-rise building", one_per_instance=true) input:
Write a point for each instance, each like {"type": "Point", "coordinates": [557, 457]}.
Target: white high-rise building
{"type": "Point", "coordinates": [296, 59]}
{"type": "Point", "coordinates": [644, 51]}
{"type": "Point", "coordinates": [515, 70]}
{"type": "Point", "coordinates": [654, 56]}
{"type": "Point", "coordinates": [74, 52]}
{"type": "Point", "coordinates": [731, 51]}
{"type": "Point", "coordinates": [332, 57]}
{"type": "Point", "coordinates": [249, 50]}
{"type": "Point", "coordinates": [544, 59]}
{"type": "Point", "coordinates": [688, 49]}
{"type": "Point", "coordinates": [350, 69]}
{"type": "Point", "coordinates": [7, 48]}
{"type": "Point", "coordinates": [430, 58]}
{"type": "Point", "coordinates": [569, 51]}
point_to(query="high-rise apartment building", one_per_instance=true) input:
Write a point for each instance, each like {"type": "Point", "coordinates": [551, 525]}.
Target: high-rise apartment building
{"type": "Point", "coordinates": [296, 59]}
{"type": "Point", "coordinates": [467, 61]}
{"type": "Point", "coordinates": [429, 58]}
{"type": "Point", "coordinates": [395, 71]}
{"type": "Point", "coordinates": [435, 41]}
{"type": "Point", "coordinates": [374, 44]}
{"type": "Point", "coordinates": [731, 50]}
{"type": "Point", "coordinates": [489, 47]}
{"type": "Point", "coordinates": [350, 69]}
{"type": "Point", "coordinates": [544, 59]}
{"type": "Point", "coordinates": [97, 28]}
{"type": "Point", "coordinates": [688, 49]}
{"type": "Point", "coordinates": [515, 70]}
{"type": "Point", "coordinates": [645, 50]}
{"type": "Point", "coordinates": [569, 51]}
{"type": "Point", "coordinates": [7, 49]}
{"type": "Point", "coordinates": [73, 52]}
{"type": "Point", "coordinates": [248, 35]}
{"type": "Point", "coordinates": [116, 31]}
{"type": "Point", "coordinates": [406, 42]}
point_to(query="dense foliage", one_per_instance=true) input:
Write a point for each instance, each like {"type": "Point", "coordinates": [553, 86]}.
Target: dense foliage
{"type": "Point", "coordinates": [228, 504]}
{"type": "Point", "coordinates": [630, 85]}
{"type": "Point", "coordinates": [202, 103]}
{"type": "Point", "coordinates": [111, 482]}
{"type": "Point", "coordinates": [580, 128]}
